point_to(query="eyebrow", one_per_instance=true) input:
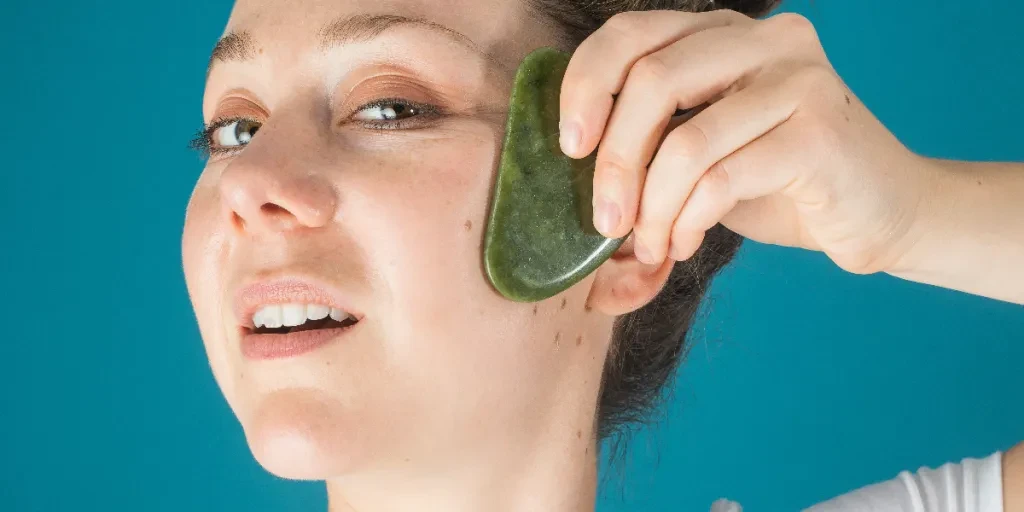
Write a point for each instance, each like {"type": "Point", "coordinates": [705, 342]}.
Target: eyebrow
{"type": "Point", "coordinates": [240, 46]}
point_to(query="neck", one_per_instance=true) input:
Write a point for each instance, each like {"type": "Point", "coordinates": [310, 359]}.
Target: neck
{"type": "Point", "coordinates": [550, 465]}
{"type": "Point", "coordinates": [554, 476]}
{"type": "Point", "coordinates": [546, 460]}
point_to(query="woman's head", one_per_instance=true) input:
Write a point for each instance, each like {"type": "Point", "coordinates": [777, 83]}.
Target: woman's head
{"type": "Point", "coordinates": [364, 167]}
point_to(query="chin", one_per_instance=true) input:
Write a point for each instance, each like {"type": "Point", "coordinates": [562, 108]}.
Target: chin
{"type": "Point", "coordinates": [298, 435]}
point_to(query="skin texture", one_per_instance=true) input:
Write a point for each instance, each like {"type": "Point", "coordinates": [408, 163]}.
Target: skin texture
{"type": "Point", "coordinates": [459, 398]}
{"type": "Point", "coordinates": [444, 389]}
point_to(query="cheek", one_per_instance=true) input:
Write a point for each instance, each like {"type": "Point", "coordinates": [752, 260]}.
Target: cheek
{"type": "Point", "coordinates": [424, 223]}
{"type": "Point", "coordinates": [203, 250]}
{"type": "Point", "coordinates": [445, 325]}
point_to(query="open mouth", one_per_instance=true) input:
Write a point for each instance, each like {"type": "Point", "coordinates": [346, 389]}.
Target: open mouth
{"type": "Point", "coordinates": [292, 318]}
{"type": "Point", "coordinates": [309, 325]}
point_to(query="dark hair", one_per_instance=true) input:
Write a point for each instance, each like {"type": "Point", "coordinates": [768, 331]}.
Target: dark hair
{"type": "Point", "coordinates": [577, 19]}
{"type": "Point", "coordinates": [648, 344]}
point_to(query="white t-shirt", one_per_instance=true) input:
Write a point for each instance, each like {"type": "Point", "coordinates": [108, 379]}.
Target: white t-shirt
{"type": "Point", "coordinates": [973, 485]}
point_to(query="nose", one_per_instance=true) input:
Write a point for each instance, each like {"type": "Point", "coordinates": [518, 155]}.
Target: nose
{"type": "Point", "coordinates": [265, 195]}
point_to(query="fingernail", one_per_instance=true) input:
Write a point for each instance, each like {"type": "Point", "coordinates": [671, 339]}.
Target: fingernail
{"type": "Point", "coordinates": [607, 216]}
{"type": "Point", "coordinates": [569, 138]}
{"type": "Point", "coordinates": [642, 252]}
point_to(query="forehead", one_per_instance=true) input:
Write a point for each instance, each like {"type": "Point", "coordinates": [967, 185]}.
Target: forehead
{"type": "Point", "coordinates": [504, 29]}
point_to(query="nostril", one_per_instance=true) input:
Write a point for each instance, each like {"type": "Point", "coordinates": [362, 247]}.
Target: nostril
{"type": "Point", "coordinates": [272, 209]}
{"type": "Point", "coordinates": [238, 221]}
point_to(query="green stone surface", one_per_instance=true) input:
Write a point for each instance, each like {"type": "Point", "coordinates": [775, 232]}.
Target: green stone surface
{"type": "Point", "coordinates": [540, 237]}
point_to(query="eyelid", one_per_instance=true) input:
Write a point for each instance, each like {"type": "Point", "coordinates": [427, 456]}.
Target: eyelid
{"type": "Point", "coordinates": [239, 102]}
{"type": "Point", "coordinates": [427, 116]}
{"type": "Point", "coordinates": [390, 86]}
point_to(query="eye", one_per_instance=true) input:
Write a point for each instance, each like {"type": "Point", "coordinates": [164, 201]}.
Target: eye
{"type": "Point", "coordinates": [386, 112]}
{"type": "Point", "coordinates": [229, 135]}
{"type": "Point", "coordinates": [235, 132]}
{"type": "Point", "coordinates": [393, 113]}
{"type": "Point", "coordinates": [224, 136]}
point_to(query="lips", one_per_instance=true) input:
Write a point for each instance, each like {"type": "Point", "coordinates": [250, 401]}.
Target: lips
{"type": "Point", "coordinates": [278, 346]}
{"type": "Point", "coordinates": [274, 338]}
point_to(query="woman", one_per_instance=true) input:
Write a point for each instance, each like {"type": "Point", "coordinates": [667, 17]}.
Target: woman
{"type": "Point", "coordinates": [332, 246]}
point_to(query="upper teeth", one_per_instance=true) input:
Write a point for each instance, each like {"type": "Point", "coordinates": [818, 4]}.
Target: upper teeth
{"type": "Point", "coordinates": [291, 315]}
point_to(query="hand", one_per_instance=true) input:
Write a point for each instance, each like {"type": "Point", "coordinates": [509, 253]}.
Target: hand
{"type": "Point", "coordinates": [779, 150]}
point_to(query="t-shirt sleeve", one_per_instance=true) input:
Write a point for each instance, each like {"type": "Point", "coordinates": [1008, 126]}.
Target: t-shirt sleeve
{"type": "Point", "coordinates": [973, 485]}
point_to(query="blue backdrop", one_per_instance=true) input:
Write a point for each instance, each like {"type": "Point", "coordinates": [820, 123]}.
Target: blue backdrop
{"type": "Point", "coordinates": [805, 382]}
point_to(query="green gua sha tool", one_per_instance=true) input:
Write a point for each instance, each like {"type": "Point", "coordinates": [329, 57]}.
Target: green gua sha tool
{"type": "Point", "coordinates": [540, 237]}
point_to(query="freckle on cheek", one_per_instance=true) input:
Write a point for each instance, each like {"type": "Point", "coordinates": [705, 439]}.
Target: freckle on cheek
{"type": "Point", "coordinates": [579, 340]}
{"type": "Point", "coordinates": [579, 434]}
{"type": "Point", "coordinates": [564, 302]}
{"type": "Point", "coordinates": [468, 225]}
{"type": "Point", "coordinates": [558, 336]}
{"type": "Point", "coordinates": [534, 309]}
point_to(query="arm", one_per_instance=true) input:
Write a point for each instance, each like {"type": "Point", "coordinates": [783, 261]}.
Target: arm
{"type": "Point", "coordinates": [1013, 479]}
{"type": "Point", "coordinates": [970, 233]}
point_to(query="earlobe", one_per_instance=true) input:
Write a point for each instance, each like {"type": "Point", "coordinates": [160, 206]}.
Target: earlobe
{"type": "Point", "coordinates": [623, 284]}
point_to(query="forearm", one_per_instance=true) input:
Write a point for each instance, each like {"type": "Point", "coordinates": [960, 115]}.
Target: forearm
{"type": "Point", "coordinates": [969, 234]}
{"type": "Point", "coordinates": [1013, 479]}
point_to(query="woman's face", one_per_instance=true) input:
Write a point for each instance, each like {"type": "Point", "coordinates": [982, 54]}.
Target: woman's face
{"type": "Point", "coordinates": [378, 210]}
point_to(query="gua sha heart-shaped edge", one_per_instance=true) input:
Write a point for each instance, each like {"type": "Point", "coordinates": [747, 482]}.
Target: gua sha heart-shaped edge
{"type": "Point", "coordinates": [540, 237]}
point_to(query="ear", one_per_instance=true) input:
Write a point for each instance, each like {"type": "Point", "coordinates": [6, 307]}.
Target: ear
{"type": "Point", "coordinates": [624, 284]}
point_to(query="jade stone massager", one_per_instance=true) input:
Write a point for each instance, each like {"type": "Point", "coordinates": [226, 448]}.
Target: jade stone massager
{"type": "Point", "coordinates": [540, 237]}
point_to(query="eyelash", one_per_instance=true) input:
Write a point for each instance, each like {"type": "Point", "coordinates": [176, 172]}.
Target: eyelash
{"type": "Point", "coordinates": [203, 141]}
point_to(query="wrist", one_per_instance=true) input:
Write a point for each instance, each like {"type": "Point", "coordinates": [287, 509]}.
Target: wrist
{"type": "Point", "coordinates": [931, 216]}
{"type": "Point", "coordinates": [968, 229]}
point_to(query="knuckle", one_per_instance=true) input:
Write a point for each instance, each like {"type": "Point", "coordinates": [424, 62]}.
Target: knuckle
{"type": "Point", "coordinates": [789, 23]}
{"type": "Point", "coordinates": [715, 181]}
{"type": "Point", "coordinates": [610, 166]}
{"type": "Point", "coordinates": [688, 143]}
{"type": "Point", "coordinates": [788, 31]}
{"type": "Point", "coordinates": [651, 68]}
{"type": "Point", "coordinates": [732, 15]}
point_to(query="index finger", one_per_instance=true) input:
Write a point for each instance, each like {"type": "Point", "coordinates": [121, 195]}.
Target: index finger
{"type": "Point", "coordinates": [598, 69]}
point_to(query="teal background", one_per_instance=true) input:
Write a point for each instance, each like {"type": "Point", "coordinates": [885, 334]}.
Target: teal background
{"type": "Point", "coordinates": [805, 382]}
